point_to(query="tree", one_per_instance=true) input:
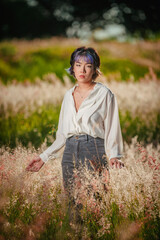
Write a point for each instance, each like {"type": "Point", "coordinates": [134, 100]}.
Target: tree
{"type": "Point", "coordinates": [38, 18]}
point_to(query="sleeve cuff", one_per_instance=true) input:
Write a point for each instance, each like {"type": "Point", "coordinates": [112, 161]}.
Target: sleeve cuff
{"type": "Point", "coordinates": [44, 157]}
{"type": "Point", "coordinates": [116, 156]}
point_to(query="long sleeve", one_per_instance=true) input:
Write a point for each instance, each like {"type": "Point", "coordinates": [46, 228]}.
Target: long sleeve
{"type": "Point", "coordinates": [113, 135]}
{"type": "Point", "coordinates": [58, 143]}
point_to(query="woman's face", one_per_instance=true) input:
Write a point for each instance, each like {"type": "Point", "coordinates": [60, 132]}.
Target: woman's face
{"type": "Point", "coordinates": [83, 70]}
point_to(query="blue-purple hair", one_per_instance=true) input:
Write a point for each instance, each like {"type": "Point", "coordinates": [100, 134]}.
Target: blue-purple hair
{"type": "Point", "coordinates": [89, 55]}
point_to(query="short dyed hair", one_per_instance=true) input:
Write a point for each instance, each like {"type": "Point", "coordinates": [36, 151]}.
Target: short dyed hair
{"type": "Point", "coordinates": [90, 56]}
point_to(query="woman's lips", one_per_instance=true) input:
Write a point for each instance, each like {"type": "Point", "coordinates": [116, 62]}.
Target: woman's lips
{"type": "Point", "coordinates": [82, 76]}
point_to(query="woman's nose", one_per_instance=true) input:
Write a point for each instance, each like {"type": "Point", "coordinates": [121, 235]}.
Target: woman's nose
{"type": "Point", "coordinates": [83, 69]}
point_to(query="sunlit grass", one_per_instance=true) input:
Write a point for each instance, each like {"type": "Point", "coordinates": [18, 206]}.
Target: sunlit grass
{"type": "Point", "coordinates": [33, 129]}
{"type": "Point", "coordinates": [147, 132]}
{"type": "Point", "coordinates": [43, 123]}
{"type": "Point", "coordinates": [122, 69]}
{"type": "Point", "coordinates": [121, 205]}
{"type": "Point", "coordinates": [33, 62]}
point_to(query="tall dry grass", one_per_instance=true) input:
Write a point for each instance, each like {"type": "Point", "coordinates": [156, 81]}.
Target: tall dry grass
{"type": "Point", "coordinates": [130, 195]}
{"type": "Point", "coordinates": [139, 98]}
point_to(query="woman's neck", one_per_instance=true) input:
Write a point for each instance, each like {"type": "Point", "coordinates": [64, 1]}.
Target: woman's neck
{"type": "Point", "coordinates": [85, 86]}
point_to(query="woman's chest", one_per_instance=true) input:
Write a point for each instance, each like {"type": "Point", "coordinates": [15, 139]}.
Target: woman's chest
{"type": "Point", "coordinates": [84, 110]}
{"type": "Point", "coordinates": [78, 100]}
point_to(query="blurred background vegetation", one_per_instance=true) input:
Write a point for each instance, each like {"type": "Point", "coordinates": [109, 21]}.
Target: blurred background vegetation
{"type": "Point", "coordinates": [72, 18]}
{"type": "Point", "coordinates": [18, 61]}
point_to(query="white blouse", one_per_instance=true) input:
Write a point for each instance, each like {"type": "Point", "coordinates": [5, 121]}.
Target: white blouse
{"type": "Point", "coordinates": [97, 116]}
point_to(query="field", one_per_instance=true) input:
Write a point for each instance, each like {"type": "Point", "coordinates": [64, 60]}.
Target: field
{"type": "Point", "coordinates": [123, 205]}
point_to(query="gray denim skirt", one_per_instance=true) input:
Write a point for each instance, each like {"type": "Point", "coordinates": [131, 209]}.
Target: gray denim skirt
{"type": "Point", "coordinates": [82, 150]}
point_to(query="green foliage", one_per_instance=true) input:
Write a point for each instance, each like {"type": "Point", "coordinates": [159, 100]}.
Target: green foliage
{"type": "Point", "coordinates": [38, 62]}
{"type": "Point", "coordinates": [151, 229]}
{"type": "Point", "coordinates": [7, 54]}
{"type": "Point", "coordinates": [33, 64]}
{"type": "Point", "coordinates": [115, 216]}
{"type": "Point", "coordinates": [126, 69]}
{"type": "Point", "coordinates": [50, 231]}
{"type": "Point", "coordinates": [146, 132]}
{"type": "Point", "coordinates": [114, 219]}
{"type": "Point", "coordinates": [23, 215]}
{"type": "Point", "coordinates": [13, 211]}
{"type": "Point", "coordinates": [7, 50]}
{"type": "Point", "coordinates": [33, 129]}
{"type": "Point", "coordinates": [17, 209]}
{"type": "Point", "coordinates": [57, 227]}
{"type": "Point", "coordinates": [43, 123]}
{"type": "Point", "coordinates": [6, 70]}
{"type": "Point", "coordinates": [92, 224]}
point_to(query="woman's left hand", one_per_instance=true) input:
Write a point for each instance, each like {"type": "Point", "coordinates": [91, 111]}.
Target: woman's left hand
{"type": "Point", "coordinates": [114, 162]}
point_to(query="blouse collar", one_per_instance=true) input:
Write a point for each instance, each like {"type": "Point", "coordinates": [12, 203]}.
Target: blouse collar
{"type": "Point", "coordinates": [76, 85]}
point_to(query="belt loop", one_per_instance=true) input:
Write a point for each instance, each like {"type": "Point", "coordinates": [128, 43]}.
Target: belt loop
{"type": "Point", "coordinates": [87, 137]}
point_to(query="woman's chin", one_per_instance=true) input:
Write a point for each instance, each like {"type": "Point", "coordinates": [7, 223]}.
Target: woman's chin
{"type": "Point", "coordinates": [83, 80]}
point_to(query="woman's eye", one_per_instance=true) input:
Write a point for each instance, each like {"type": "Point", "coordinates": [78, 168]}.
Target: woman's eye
{"type": "Point", "coordinates": [89, 66]}
{"type": "Point", "coordinates": [78, 65]}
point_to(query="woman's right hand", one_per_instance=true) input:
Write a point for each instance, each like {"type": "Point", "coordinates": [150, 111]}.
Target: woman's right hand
{"type": "Point", "coordinates": [35, 165]}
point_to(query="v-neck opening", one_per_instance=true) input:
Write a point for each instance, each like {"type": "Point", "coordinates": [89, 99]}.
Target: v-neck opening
{"type": "Point", "coordinates": [84, 99]}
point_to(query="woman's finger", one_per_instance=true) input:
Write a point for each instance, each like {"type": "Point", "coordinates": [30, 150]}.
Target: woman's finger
{"type": "Point", "coordinates": [119, 164]}
{"type": "Point", "coordinates": [32, 162]}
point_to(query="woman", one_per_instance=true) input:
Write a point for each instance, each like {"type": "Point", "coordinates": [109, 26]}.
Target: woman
{"type": "Point", "coordinates": [88, 124]}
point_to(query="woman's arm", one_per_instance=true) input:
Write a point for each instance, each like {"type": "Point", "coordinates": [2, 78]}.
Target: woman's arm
{"type": "Point", "coordinates": [113, 135]}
